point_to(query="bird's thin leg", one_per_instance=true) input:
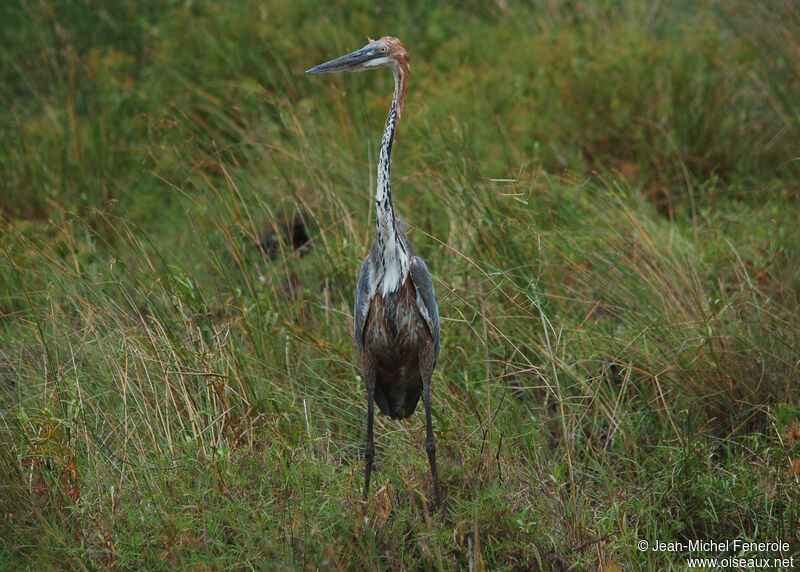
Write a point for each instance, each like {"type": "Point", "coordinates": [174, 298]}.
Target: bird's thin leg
{"type": "Point", "coordinates": [426, 370]}
{"type": "Point", "coordinates": [369, 453]}
{"type": "Point", "coordinates": [430, 444]}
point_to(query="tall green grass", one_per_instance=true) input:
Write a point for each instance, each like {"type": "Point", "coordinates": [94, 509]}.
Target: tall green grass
{"type": "Point", "coordinates": [601, 192]}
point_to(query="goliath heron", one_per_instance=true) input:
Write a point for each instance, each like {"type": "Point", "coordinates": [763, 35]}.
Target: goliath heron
{"type": "Point", "coordinates": [396, 313]}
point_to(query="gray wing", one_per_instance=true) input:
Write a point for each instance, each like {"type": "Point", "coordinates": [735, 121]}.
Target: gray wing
{"type": "Point", "coordinates": [426, 299]}
{"type": "Point", "coordinates": [362, 303]}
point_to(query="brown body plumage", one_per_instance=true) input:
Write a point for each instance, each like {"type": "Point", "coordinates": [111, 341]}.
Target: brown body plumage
{"type": "Point", "coordinates": [395, 330]}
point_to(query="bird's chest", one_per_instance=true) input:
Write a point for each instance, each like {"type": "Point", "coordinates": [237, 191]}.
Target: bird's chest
{"type": "Point", "coordinates": [395, 330]}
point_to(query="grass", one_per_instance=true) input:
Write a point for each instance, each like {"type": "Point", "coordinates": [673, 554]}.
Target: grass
{"type": "Point", "coordinates": [606, 194]}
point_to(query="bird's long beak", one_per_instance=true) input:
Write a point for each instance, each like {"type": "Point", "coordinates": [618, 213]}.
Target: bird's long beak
{"type": "Point", "coordinates": [351, 62]}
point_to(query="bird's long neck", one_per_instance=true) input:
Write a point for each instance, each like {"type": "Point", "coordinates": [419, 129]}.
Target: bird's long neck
{"type": "Point", "coordinates": [391, 249]}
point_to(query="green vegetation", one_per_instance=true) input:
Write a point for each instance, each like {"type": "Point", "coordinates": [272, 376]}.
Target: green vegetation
{"type": "Point", "coordinates": [606, 194]}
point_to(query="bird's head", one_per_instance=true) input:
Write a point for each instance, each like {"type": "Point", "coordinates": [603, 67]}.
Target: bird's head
{"type": "Point", "coordinates": [386, 52]}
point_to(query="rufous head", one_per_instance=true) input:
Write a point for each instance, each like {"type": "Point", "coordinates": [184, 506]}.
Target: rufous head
{"type": "Point", "coordinates": [386, 52]}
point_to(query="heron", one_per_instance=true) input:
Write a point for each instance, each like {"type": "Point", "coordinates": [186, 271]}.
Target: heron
{"type": "Point", "coordinates": [396, 315]}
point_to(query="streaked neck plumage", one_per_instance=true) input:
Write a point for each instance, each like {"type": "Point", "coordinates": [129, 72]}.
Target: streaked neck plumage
{"type": "Point", "coordinates": [392, 268]}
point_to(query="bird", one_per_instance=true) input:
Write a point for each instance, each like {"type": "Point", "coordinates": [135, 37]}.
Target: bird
{"type": "Point", "coordinates": [396, 314]}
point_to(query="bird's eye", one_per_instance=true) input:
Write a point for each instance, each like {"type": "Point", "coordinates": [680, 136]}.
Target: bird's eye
{"type": "Point", "coordinates": [383, 49]}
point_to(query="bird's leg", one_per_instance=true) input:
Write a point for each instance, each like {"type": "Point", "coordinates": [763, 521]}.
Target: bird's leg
{"type": "Point", "coordinates": [426, 371]}
{"type": "Point", "coordinates": [430, 444]}
{"type": "Point", "coordinates": [369, 453]}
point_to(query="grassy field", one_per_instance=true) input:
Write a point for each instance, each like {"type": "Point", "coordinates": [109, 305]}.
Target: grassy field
{"type": "Point", "coordinates": [606, 194]}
